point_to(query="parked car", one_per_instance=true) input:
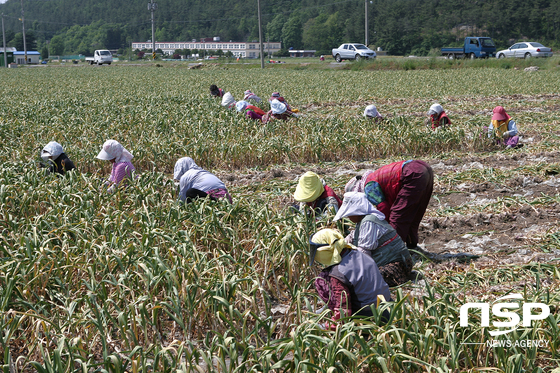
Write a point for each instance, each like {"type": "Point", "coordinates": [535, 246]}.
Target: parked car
{"type": "Point", "coordinates": [525, 50]}
{"type": "Point", "coordinates": [473, 47]}
{"type": "Point", "coordinates": [352, 51]}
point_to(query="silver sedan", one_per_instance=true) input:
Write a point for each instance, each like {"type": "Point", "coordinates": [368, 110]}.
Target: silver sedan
{"type": "Point", "coordinates": [525, 50]}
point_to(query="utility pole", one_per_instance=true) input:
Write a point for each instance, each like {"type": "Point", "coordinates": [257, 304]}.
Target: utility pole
{"type": "Point", "coordinates": [4, 41]}
{"type": "Point", "coordinates": [152, 8]}
{"type": "Point", "coordinates": [260, 34]}
{"type": "Point", "coordinates": [23, 29]}
{"type": "Point", "coordinates": [366, 23]}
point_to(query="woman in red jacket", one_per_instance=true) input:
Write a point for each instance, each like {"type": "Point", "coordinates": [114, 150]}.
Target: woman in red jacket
{"type": "Point", "coordinates": [400, 190]}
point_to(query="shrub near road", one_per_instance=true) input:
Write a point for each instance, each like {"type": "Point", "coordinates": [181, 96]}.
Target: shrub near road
{"type": "Point", "coordinates": [136, 282]}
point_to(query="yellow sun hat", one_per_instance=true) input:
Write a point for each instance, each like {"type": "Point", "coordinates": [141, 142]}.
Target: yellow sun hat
{"type": "Point", "coordinates": [309, 187]}
{"type": "Point", "coordinates": [326, 246]}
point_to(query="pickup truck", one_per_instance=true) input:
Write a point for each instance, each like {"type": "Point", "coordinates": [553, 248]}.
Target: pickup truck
{"type": "Point", "coordinates": [100, 57]}
{"type": "Point", "coordinates": [474, 47]}
{"type": "Point", "coordinates": [352, 51]}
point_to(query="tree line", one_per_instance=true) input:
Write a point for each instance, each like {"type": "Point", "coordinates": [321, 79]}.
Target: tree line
{"type": "Point", "coordinates": [400, 27]}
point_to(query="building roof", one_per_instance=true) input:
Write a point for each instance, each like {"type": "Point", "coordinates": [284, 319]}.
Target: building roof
{"type": "Point", "coordinates": [21, 53]}
{"type": "Point", "coordinates": [8, 49]}
{"type": "Point", "coordinates": [202, 42]}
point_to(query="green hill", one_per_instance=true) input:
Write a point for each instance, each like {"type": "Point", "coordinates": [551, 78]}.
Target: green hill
{"type": "Point", "coordinates": [398, 26]}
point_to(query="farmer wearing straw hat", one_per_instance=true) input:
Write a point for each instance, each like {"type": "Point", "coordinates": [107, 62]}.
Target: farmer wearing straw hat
{"type": "Point", "coordinates": [195, 182]}
{"type": "Point", "coordinates": [503, 128]}
{"type": "Point", "coordinates": [375, 237]}
{"type": "Point", "coordinates": [315, 193]}
{"type": "Point", "coordinates": [437, 117]}
{"type": "Point", "coordinates": [57, 160]}
{"type": "Point", "coordinates": [372, 113]}
{"type": "Point", "coordinates": [401, 191]}
{"type": "Point", "coordinates": [120, 158]}
{"type": "Point", "coordinates": [351, 281]}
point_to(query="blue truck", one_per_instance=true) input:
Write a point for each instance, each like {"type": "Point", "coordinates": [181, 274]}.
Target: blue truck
{"type": "Point", "coordinates": [474, 47]}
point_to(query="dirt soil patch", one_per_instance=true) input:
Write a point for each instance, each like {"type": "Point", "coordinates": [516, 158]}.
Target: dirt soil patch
{"type": "Point", "coordinates": [514, 234]}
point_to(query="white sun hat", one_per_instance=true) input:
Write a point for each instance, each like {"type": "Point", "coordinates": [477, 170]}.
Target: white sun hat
{"type": "Point", "coordinates": [435, 109]}
{"type": "Point", "coordinates": [112, 149]}
{"type": "Point", "coordinates": [228, 100]}
{"type": "Point", "coordinates": [277, 107]}
{"type": "Point", "coordinates": [241, 105]}
{"type": "Point", "coordinates": [52, 149]}
{"type": "Point", "coordinates": [183, 165]}
{"type": "Point", "coordinates": [371, 111]}
{"type": "Point", "coordinates": [357, 204]}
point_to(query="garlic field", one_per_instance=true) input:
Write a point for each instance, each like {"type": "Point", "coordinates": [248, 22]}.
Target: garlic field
{"type": "Point", "coordinates": [136, 282]}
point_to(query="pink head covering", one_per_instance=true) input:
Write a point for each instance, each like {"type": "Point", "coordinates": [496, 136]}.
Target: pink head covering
{"type": "Point", "coordinates": [500, 113]}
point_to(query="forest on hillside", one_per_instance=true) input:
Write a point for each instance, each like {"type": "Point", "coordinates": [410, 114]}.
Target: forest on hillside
{"type": "Point", "coordinates": [400, 27]}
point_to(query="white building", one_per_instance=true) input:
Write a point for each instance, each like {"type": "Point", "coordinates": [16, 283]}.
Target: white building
{"type": "Point", "coordinates": [239, 49]}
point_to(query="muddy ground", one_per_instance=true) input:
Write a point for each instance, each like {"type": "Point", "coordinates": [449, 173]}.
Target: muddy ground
{"type": "Point", "coordinates": [508, 221]}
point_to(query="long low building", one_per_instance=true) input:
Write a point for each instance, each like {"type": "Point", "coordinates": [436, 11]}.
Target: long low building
{"type": "Point", "coordinates": [32, 57]}
{"type": "Point", "coordinates": [239, 49]}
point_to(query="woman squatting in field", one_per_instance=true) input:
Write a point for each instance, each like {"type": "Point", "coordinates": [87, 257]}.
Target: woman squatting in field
{"type": "Point", "coordinates": [195, 182]}
{"type": "Point", "coordinates": [351, 281]}
{"type": "Point", "coordinates": [250, 96]}
{"type": "Point", "coordinates": [278, 110]}
{"type": "Point", "coordinates": [377, 238]}
{"type": "Point", "coordinates": [277, 96]}
{"type": "Point", "coordinates": [57, 161]}
{"type": "Point", "coordinates": [251, 112]}
{"type": "Point", "coordinates": [120, 158]}
{"type": "Point", "coordinates": [228, 101]}
{"type": "Point", "coordinates": [503, 128]}
{"type": "Point", "coordinates": [437, 117]}
{"type": "Point", "coordinates": [313, 192]}
{"type": "Point", "coordinates": [401, 191]}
